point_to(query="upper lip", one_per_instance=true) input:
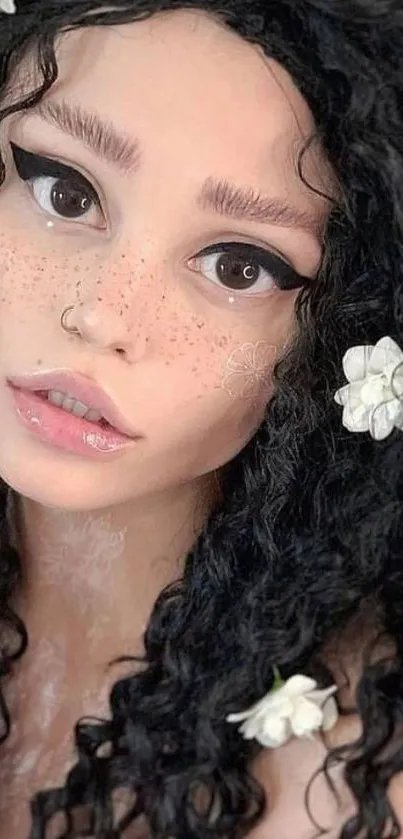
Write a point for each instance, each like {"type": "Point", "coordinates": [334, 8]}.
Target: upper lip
{"type": "Point", "coordinates": [79, 387]}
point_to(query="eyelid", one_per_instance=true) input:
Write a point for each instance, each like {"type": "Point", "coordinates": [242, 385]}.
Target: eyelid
{"type": "Point", "coordinates": [30, 165]}
{"type": "Point", "coordinates": [265, 257]}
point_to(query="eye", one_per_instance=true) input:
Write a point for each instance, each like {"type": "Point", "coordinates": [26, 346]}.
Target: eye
{"type": "Point", "coordinates": [241, 267]}
{"type": "Point", "coordinates": [59, 190]}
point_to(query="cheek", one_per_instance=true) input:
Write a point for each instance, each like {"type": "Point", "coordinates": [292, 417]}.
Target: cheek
{"type": "Point", "coordinates": [248, 371]}
{"type": "Point", "coordinates": [220, 394]}
{"type": "Point", "coordinates": [27, 280]}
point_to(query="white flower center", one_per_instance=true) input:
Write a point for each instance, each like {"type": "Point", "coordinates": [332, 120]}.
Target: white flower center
{"type": "Point", "coordinates": [377, 390]}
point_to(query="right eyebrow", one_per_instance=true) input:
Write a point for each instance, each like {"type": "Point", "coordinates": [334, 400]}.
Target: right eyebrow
{"type": "Point", "coordinates": [109, 144]}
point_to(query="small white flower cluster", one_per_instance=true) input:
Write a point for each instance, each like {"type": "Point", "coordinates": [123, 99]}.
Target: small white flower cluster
{"type": "Point", "coordinates": [373, 399]}
{"type": "Point", "coordinates": [295, 708]}
{"type": "Point", "coordinates": [8, 7]}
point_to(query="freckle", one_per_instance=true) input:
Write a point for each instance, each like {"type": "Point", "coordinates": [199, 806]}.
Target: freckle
{"type": "Point", "coordinates": [39, 362]}
{"type": "Point", "coordinates": [100, 299]}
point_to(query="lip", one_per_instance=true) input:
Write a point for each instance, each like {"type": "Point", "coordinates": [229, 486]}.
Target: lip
{"type": "Point", "coordinates": [80, 387]}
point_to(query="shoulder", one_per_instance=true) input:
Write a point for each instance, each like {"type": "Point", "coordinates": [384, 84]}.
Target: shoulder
{"type": "Point", "coordinates": [285, 774]}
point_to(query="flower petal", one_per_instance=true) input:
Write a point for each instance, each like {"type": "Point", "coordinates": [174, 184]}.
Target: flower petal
{"type": "Point", "coordinates": [330, 714]}
{"type": "Point", "coordinates": [275, 702]}
{"type": "Point", "coordinates": [250, 728]}
{"type": "Point", "coordinates": [355, 362]}
{"type": "Point", "coordinates": [342, 395]}
{"type": "Point", "coordinates": [298, 685]}
{"type": "Point", "coordinates": [241, 359]}
{"type": "Point", "coordinates": [321, 696]}
{"type": "Point", "coordinates": [8, 7]}
{"type": "Point", "coordinates": [275, 732]}
{"type": "Point", "coordinates": [382, 419]}
{"type": "Point", "coordinates": [384, 353]}
{"type": "Point", "coordinates": [307, 717]}
{"type": "Point", "coordinates": [399, 419]}
{"type": "Point", "coordinates": [264, 356]}
{"type": "Point", "coordinates": [356, 417]}
{"type": "Point", "coordinates": [396, 381]}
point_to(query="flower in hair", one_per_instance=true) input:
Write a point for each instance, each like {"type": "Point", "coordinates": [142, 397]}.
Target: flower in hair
{"type": "Point", "coordinates": [8, 7]}
{"type": "Point", "coordinates": [373, 399]}
{"type": "Point", "coordinates": [295, 708]}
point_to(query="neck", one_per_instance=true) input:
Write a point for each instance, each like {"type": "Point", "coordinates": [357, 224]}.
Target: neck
{"type": "Point", "coordinates": [93, 577]}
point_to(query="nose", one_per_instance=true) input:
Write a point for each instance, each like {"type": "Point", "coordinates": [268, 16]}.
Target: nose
{"type": "Point", "coordinates": [105, 327]}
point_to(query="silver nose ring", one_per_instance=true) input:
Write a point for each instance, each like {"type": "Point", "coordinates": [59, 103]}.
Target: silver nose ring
{"type": "Point", "coordinates": [72, 330]}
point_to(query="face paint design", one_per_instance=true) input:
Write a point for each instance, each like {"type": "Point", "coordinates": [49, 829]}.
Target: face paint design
{"type": "Point", "coordinates": [249, 369]}
{"type": "Point", "coordinates": [93, 546]}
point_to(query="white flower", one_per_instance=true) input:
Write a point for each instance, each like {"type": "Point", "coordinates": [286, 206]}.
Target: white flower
{"type": "Point", "coordinates": [8, 7]}
{"type": "Point", "coordinates": [373, 399]}
{"type": "Point", "coordinates": [295, 708]}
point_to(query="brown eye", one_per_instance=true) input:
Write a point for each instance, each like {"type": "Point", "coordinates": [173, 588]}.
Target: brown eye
{"type": "Point", "coordinates": [62, 197]}
{"type": "Point", "coordinates": [238, 266]}
{"type": "Point", "coordinates": [69, 200]}
{"type": "Point", "coordinates": [58, 189]}
{"type": "Point", "coordinates": [237, 273]}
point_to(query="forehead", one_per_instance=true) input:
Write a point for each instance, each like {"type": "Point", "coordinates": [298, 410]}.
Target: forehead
{"type": "Point", "coordinates": [198, 100]}
{"type": "Point", "coordinates": [187, 78]}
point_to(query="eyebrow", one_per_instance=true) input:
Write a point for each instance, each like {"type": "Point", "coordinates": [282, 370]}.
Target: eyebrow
{"type": "Point", "coordinates": [245, 204]}
{"type": "Point", "coordinates": [123, 152]}
{"type": "Point", "coordinates": [97, 134]}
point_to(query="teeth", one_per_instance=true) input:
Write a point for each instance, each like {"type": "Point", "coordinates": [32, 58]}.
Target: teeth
{"type": "Point", "coordinates": [92, 415]}
{"type": "Point", "coordinates": [73, 406]}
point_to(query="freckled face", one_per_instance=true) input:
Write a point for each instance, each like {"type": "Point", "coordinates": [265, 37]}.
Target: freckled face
{"type": "Point", "coordinates": [180, 308]}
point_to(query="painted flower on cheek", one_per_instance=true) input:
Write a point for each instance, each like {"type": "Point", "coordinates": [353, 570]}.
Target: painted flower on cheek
{"type": "Point", "coordinates": [248, 368]}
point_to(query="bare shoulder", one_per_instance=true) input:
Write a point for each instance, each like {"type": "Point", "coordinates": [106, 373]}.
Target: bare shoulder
{"type": "Point", "coordinates": [285, 774]}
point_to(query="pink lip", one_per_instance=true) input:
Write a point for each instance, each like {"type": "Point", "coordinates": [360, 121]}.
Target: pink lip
{"type": "Point", "coordinates": [81, 388]}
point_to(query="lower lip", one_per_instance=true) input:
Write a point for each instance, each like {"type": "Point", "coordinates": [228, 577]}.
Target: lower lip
{"type": "Point", "coordinates": [65, 431]}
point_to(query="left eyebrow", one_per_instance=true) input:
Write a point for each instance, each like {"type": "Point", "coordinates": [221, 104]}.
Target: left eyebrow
{"type": "Point", "coordinates": [245, 204]}
{"type": "Point", "coordinates": [116, 148]}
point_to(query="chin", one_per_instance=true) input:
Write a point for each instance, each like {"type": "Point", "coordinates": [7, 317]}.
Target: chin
{"type": "Point", "coordinates": [49, 478]}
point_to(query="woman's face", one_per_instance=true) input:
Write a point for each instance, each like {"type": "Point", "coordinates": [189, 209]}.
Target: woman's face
{"type": "Point", "coordinates": [180, 234]}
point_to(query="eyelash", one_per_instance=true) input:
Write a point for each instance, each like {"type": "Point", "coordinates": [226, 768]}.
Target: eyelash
{"type": "Point", "coordinates": [31, 167]}
{"type": "Point", "coordinates": [283, 276]}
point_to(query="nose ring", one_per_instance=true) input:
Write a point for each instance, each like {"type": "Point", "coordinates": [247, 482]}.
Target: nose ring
{"type": "Point", "coordinates": [72, 330]}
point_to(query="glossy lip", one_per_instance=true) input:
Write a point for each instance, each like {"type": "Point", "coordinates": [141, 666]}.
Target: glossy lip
{"type": "Point", "coordinates": [78, 387]}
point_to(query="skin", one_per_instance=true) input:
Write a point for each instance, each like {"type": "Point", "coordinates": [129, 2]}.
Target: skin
{"type": "Point", "coordinates": [188, 362]}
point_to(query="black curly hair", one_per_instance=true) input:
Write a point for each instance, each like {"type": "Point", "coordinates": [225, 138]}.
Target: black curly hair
{"type": "Point", "coordinates": [311, 527]}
